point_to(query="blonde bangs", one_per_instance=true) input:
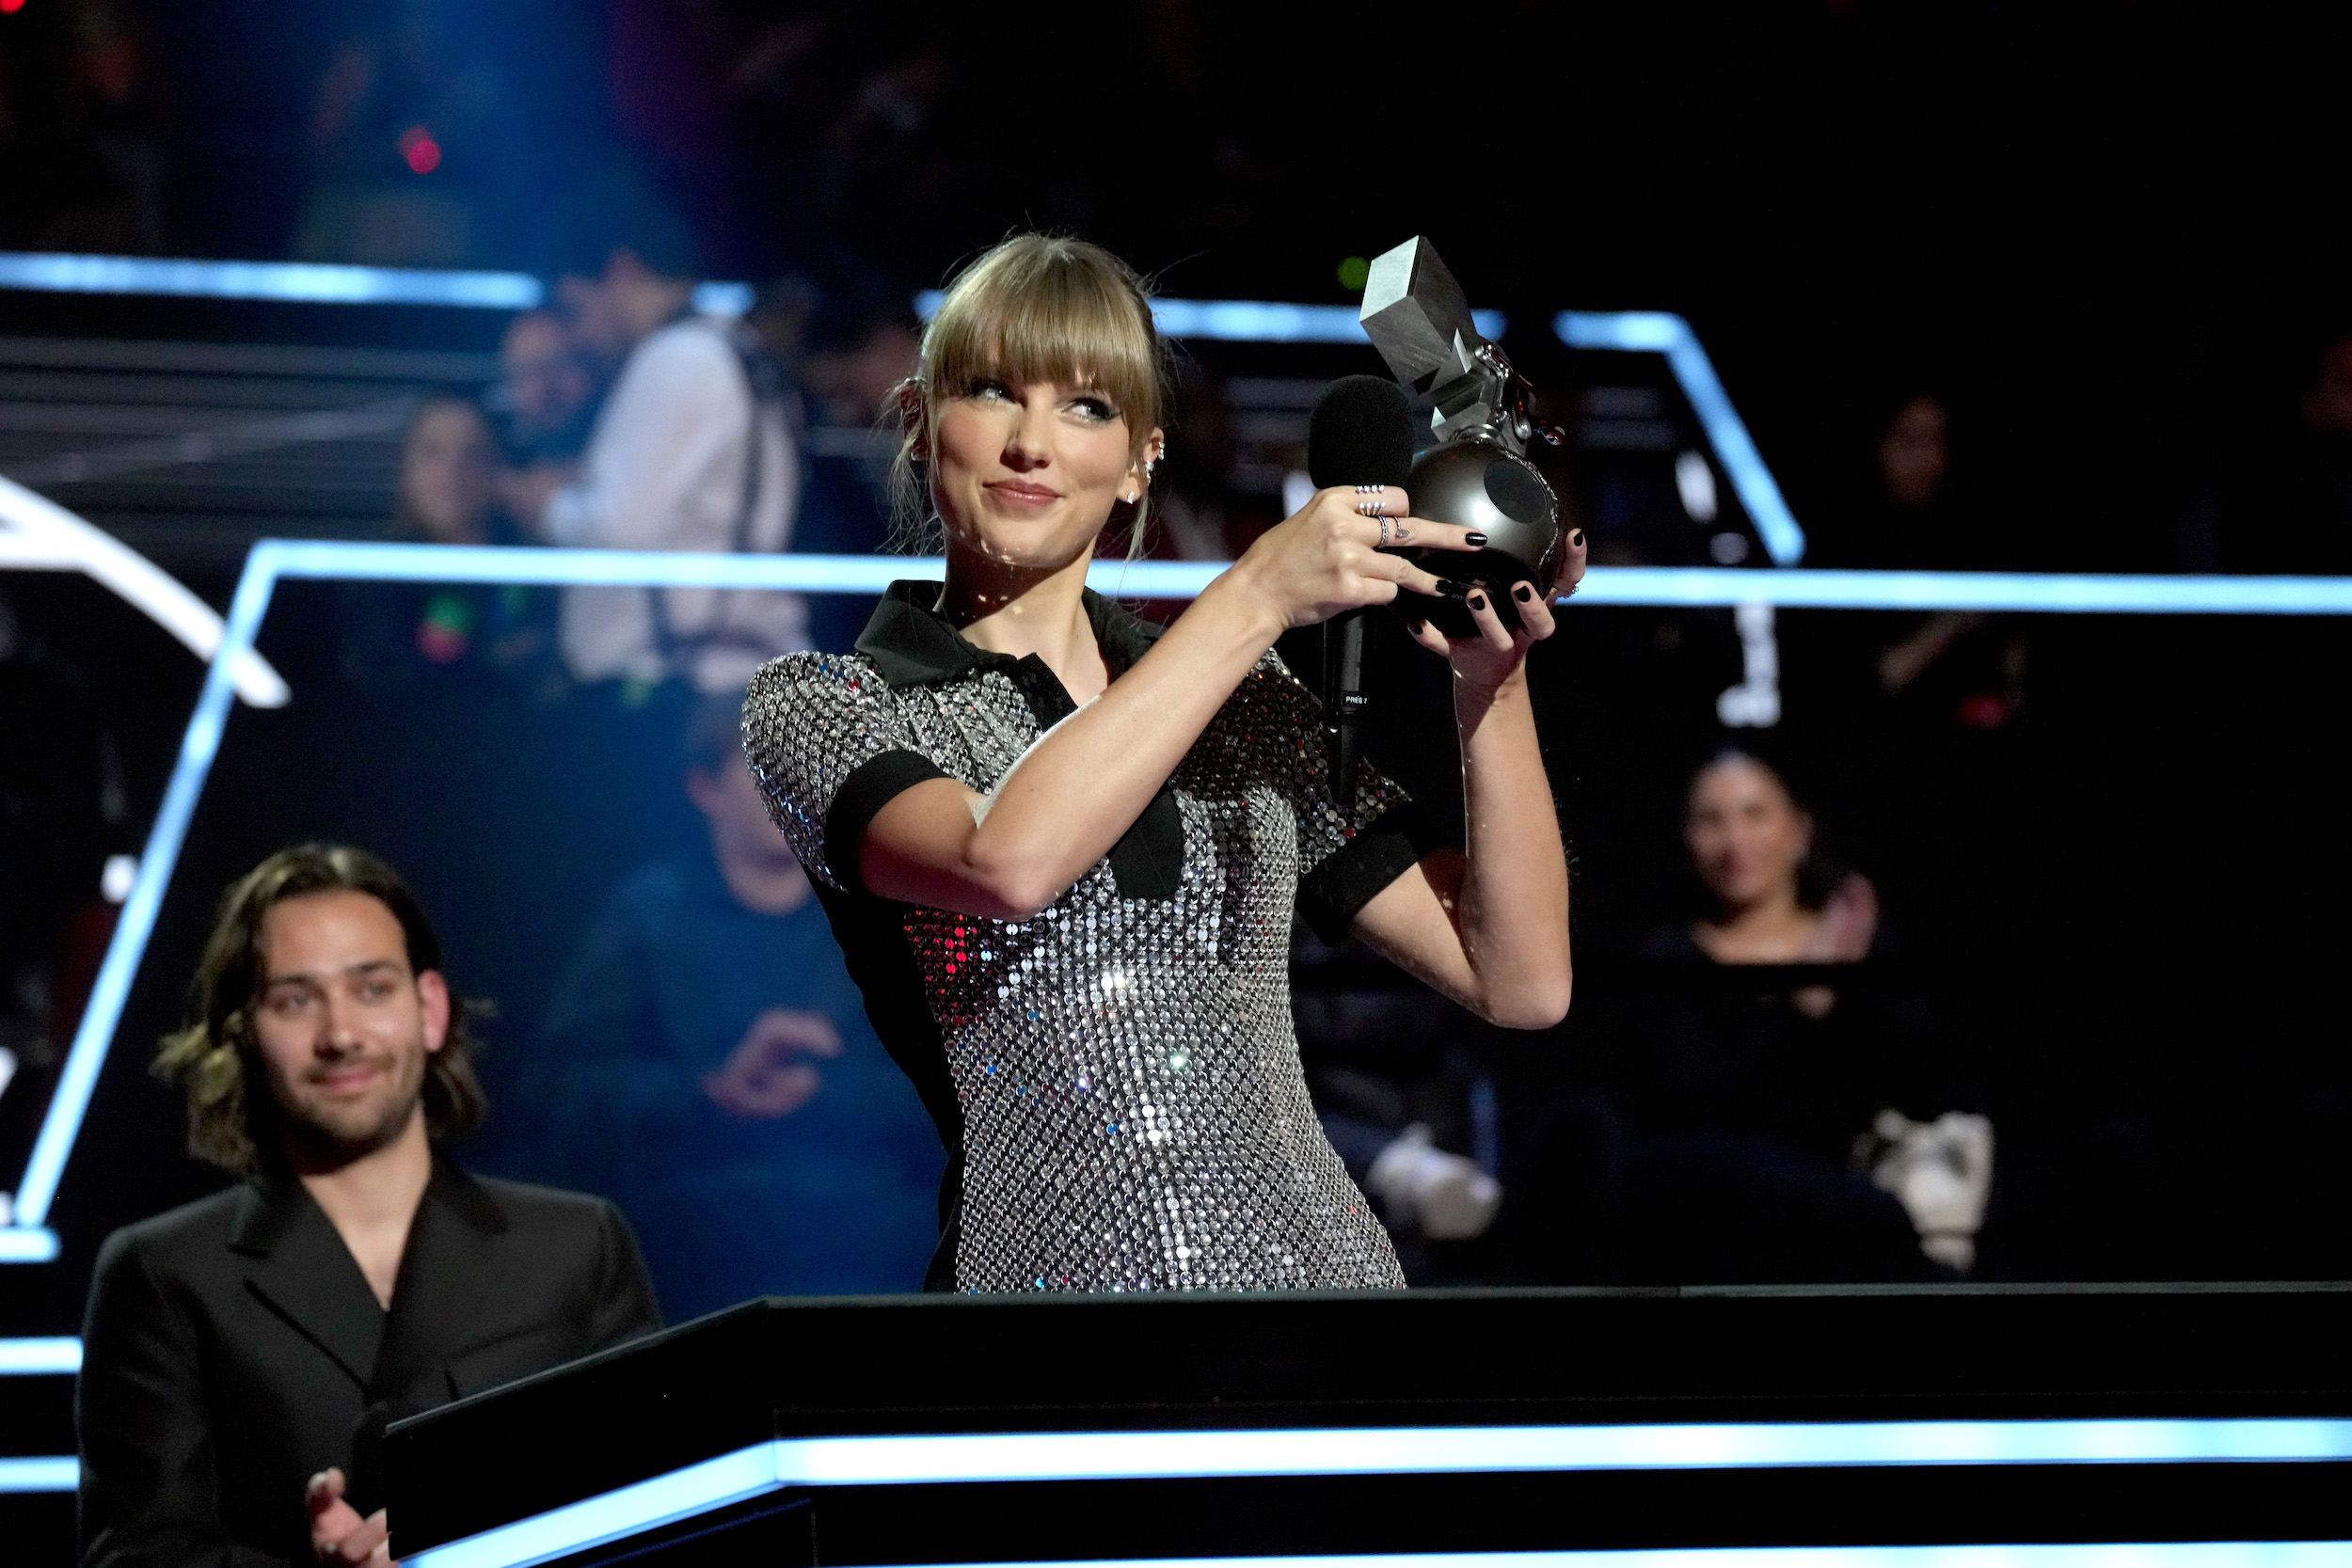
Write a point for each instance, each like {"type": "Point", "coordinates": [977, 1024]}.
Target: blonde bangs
{"type": "Point", "coordinates": [1039, 309]}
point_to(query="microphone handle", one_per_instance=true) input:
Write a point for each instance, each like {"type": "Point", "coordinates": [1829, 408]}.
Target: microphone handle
{"type": "Point", "coordinates": [1344, 700]}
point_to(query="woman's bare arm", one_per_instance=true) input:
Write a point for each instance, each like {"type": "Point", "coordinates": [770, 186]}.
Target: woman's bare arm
{"type": "Point", "coordinates": [1067, 801]}
{"type": "Point", "coordinates": [1489, 928]}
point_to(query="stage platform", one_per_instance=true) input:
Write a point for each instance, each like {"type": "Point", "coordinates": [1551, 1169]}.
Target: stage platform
{"type": "Point", "coordinates": [928, 1431]}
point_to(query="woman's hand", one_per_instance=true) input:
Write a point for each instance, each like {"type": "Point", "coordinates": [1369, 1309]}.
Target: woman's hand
{"type": "Point", "coordinates": [1493, 654]}
{"type": "Point", "coordinates": [1332, 556]}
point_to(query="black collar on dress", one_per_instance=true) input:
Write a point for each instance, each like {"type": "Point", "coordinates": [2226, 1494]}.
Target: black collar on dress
{"type": "Point", "coordinates": [912, 643]}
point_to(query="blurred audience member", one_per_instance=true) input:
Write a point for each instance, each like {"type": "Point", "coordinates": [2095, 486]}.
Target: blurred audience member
{"type": "Point", "coordinates": [859, 343]}
{"type": "Point", "coordinates": [706, 1062]}
{"type": "Point", "coordinates": [693, 450]}
{"type": "Point", "coordinates": [547, 393]}
{"type": "Point", "coordinates": [1786, 1128]}
{"type": "Point", "coordinates": [1402, 1095]}
{"type": "Point", "coordinates": [2288, 506]}
{"type": "Point", "coordinates": [1954, 669]}
{"type": "Point", "coordinates": [391, 100]}
{"type": "Point", "coordinates": [446, 463]}
{"type": "Point", "coordinates": [395, 633]}
{"type": "Point", "coordinates": [103, 117]}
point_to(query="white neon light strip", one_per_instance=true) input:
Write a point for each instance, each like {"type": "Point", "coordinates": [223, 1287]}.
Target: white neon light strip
{"type": "Point", "coordinates": [964, 1459]}
{"type": "Point", "coordinates": [274, 558]}
{"type": "Point", "coordinates": [38, 534]}
{"type": "Point", "coordinates": [300, 282]}
{"type": "Point", "coordinates": [41, 1356]}
{"type": "Point", "coordinates": [1659, 332]}
{"type": "Point", "coordinates": [1669, 587]}
{"type": "Point", "coordinates": [28, 1243]}
{"type": "Point", "coordinates": [49, 1473]}
{"type": "Point", "coordinates": [70, 1101]}
{"type": "Point", "coordinates": [2158, 1554]}
{"type": "Point", "coordinates": [1245, 321]}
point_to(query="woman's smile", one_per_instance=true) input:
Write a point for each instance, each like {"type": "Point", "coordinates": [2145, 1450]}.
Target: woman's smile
{"type": "Point", "coordinates": [1022, 494]}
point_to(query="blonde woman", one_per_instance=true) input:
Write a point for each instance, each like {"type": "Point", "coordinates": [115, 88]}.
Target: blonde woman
{"type": "Point", "coordinates": [1062, 849]}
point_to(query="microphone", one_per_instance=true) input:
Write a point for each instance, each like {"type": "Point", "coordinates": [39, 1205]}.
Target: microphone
{"type": "Point", "coordinates": [1362, 433]}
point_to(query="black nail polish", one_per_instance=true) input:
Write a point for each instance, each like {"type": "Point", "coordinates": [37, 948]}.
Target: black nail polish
{"type": "Point", "coordinates": [1450, 589]}
{"type": "Point", "coordinates": [1577, 538]}
{"type": "Point", "coordinates": [1476, 541]}
{"type": "Point", "coordinates": [1420, 626]}
{"type": "Point", "coordinates": [1523, 594]}
{"type": "Point", "coordinates": [1478, 601]}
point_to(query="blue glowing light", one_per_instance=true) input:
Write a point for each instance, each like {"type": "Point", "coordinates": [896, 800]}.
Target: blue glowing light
{"type": "Point", "coordinates": [50, 1473]}
{"type": "Point", "coordinates": [300, 282]}
{"type": "Point", "coordinates": [39, 1357]}
{"type": "Point", "coordinates": [104, 1010]}
{"type": "Point", "coordinates": [1082, 1456]}
{"type": "Point", "coordinates": [817, 573]}
{"type": "Point", "coordinates": [28, 1243]}
{"type": "Point", "coordinates": [1657, 332]}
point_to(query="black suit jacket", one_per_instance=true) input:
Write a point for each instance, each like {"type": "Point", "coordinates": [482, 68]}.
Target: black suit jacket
{"type": "Point", "coordinates": [232, 1349]}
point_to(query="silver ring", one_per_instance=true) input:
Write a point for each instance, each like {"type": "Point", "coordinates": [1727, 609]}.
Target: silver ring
{"type": "Point", "coordinates": [1369, 509]}
{"type": "Point", "coordinates": [1384, 532]}
{"type": "Point", "coordinates": [1370, 489]}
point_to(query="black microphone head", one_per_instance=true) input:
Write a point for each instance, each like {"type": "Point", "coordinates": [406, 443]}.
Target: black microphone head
{"type": "Point", "coordinates": [1361, 433]}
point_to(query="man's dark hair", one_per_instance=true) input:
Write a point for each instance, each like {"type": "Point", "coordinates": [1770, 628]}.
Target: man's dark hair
{"type": "Point", "coordinates": [617, 210]}
{"type": "Point", "coordinates": [213, 1058]}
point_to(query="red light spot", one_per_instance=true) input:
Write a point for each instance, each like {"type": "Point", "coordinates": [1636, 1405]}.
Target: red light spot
{"type": "Point", "coordinates": [11, 7]}
{"type": "Point", "coordinates": [416, 143]}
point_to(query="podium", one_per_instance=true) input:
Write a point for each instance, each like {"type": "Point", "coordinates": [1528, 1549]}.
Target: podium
{"type": "Point", "coordinates": [1272, 1429]}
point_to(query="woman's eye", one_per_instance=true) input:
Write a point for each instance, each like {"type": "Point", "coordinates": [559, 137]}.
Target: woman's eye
{"type": "Point", "coordinates": [987, 388]}
{"type": "Point", "coordinates": [1097, 409]}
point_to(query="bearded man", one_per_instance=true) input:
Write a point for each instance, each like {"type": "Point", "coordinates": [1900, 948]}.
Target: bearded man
{"type": "Point", "coordinates": [242, 1354]}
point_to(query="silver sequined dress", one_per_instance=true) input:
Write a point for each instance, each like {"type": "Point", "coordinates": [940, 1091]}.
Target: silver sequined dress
{"type": "Point", "coordinates": [1116, 1079]}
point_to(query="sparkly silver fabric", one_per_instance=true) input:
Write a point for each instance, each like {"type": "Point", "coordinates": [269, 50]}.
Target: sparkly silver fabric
{"type": "Point", "coordinates": [1134, 1115]}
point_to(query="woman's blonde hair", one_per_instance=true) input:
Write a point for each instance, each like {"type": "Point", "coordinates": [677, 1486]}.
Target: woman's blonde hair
{"type": "Point", "coordinates": [1037, 307]}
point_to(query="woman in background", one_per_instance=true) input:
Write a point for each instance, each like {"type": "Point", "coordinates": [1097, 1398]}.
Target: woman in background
{"type": "Point", "coordinates": [1787, 1129]}
{"type": "Point", "coordinates": [397, 634]}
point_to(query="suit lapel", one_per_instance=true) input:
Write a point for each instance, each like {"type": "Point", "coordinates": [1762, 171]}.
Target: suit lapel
{"type": "Point", "coordinates": [301, 1269]}
{"type": "Point", "coordinates": [444, 1277]}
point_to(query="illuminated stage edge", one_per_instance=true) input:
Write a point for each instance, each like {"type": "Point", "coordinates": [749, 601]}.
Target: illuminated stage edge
{"type": "Point", "coordinates": [765, 1467]}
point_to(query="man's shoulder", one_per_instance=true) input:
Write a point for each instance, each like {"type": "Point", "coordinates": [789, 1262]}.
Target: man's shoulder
{"type": "Point", "coordinates": [545, 1211]}
{"type": "Point", "coordinates": [168, 1241]}
{"type": "Point", "coordinates": [693, 345]}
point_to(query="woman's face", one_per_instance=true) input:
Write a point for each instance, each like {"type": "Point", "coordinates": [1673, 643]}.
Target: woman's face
{"type": "Point", "coordinates": [1027, 473]}
{"type": "Point", "coordinates": [1746, 836]}
{"type": "Point", "coordinates": [1917, 452]}
{"type": "Point", "coordinates": [445, 473]}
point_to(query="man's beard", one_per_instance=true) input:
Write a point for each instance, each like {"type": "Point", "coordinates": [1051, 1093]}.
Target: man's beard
{"type": "Point", "coordinates": [345, 1132]}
